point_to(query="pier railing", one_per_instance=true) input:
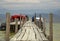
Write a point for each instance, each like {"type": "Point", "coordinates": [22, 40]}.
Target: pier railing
{"type": "Point", "coordinates": [16, 25]}
{"type": "Point", "coordinates": [50, 37]}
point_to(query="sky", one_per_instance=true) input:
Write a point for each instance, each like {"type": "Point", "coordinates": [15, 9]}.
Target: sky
{"type": "Point", "coordinates": [25, 5]}
{"type": "Point", "coordinates": [30, 7]}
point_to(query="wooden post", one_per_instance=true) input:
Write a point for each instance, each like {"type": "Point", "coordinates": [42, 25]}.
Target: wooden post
{"type": "Point", "coordinates": [7, 26]}
{"type": "Point", "coordinates": [23, 22]}
{"type": "Point", "coordinates": [16, 26]}
{"type": "Point", "coordinates": [40, 21]}
{"type": "Point", "coordinates": [44, 26]}
{"type": "Point", "coordinates": [51, 28]}
{"type": "Point", "coordinates": [35, 18]}
{"type": "Point", "coordinates": [20, 21]}
{"type": "Point", "coordinates": [25, 19]}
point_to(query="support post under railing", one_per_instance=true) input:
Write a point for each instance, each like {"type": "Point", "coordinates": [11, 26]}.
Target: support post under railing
{"type": "Point", "coordinates": [20, 21]}
{"type": "Point", "coordinates": [35, 18]}
{"type": "Point", "coordinates": [51, 28]}
{"type": "Point", "coordinates": [7, 26]}
{"type": "Point", "coordinates": [16, 25]}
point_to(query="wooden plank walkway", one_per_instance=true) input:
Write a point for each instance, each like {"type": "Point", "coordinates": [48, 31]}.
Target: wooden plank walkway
{"type": "Point", "coordinates": [29, 32]}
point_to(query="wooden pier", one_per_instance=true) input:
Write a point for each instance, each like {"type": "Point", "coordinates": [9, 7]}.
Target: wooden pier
{"type": "Point", "coordinates": [29, 31]}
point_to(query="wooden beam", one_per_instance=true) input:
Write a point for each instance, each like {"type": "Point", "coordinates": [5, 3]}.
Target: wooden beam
{"type": "Point", "coordinates": [7, 26]}
{"type": "Point", "coordinates": [16, 25]}
{"type": "Point", "coordinates": [51, 27]}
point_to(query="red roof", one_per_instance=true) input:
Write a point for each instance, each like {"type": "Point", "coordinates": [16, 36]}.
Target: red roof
{"type": "Point", "coordinates": [18, 16]}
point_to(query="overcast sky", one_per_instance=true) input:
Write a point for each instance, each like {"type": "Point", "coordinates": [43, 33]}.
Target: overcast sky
{"type": "Point", "coordinates": [30, 4]}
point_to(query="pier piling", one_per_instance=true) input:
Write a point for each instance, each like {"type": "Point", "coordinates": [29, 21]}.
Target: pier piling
{"type": "Point", "coordinates": [7, 26]}
{"type": "Point", "coordinates": [20, 21]}
{"type": "Point", "coordinates": [51, 27]}
{"type": "Point", "coordinates": [35, 18]}
{"type": "Point", "coordinates": [16, 25]}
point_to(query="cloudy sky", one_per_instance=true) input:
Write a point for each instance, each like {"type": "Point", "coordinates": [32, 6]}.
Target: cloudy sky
{"type": "Point", "coordinates": [29, 4]}
{"type": "Point", "coordinates": [30, 7]}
